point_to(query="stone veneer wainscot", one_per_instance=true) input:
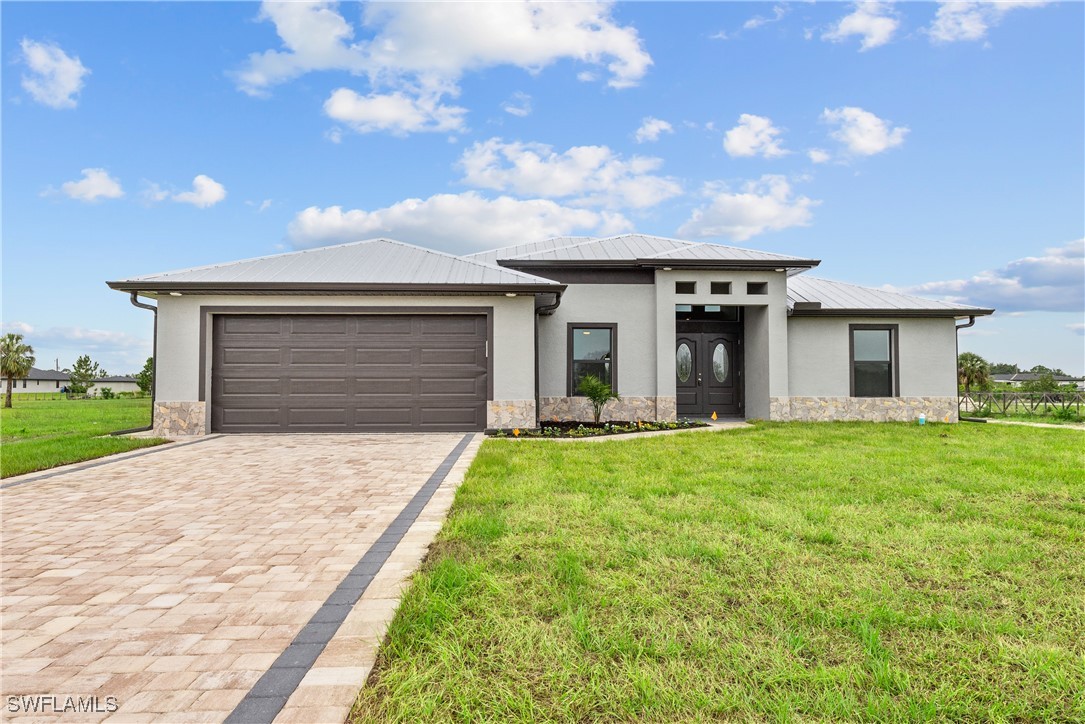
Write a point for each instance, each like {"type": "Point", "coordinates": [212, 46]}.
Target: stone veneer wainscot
{"type": "Point", "coordinates": [869, 409]}
{"type": "Point", "coordinates": [626, 409]}
{"type": "Point", "coordinates": [508, 414]}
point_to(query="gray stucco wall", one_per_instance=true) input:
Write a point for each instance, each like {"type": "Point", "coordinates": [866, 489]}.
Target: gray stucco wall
{"type": "Point", "coordinates": [766, 343]}
{"type": "Point", "coordinates": [178, 377]}
{"type": "Point", "coordinates": [631, 307]}
{"type": "Point", "coordinates": [819, 365]}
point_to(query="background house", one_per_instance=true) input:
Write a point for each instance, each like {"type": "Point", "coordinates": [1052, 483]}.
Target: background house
{"type": "Point", "coordinates": [37, 381]}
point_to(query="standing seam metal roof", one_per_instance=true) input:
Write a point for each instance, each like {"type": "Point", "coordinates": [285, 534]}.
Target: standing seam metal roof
{"type": "Point", "coordinates": [843, 296]}
{"type": "Point", "coordinates": [375, 261]}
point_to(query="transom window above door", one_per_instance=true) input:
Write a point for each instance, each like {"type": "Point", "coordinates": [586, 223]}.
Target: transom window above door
{"type": "Point", "coordinates": [591, 351]}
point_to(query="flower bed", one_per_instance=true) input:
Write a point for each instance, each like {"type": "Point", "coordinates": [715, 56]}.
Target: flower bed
{"type": "Point", "coordinates": [594, 429]}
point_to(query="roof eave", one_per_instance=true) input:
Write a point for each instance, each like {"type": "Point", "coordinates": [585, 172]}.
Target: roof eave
{"type": "Point", "coordinates": [732, 264]}
{"type": "Point", "coordinates": [337, 287]}
{"type": "Point", "coordinates": [838, 312]}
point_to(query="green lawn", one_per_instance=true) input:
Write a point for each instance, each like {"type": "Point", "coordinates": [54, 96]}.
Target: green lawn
{"type": "Point", "coordinates": [788, 572]}
{"type": "Point", "coordinates": [41, 434]}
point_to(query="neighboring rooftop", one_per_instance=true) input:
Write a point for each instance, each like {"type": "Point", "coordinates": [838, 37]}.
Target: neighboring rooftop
{"type": "Point", "coordinates": [1032, 377]}
{"type": "Point", "coordinates": [810, 295]}
{"type": "Point", "coordinates": [44, 375]}
{"type": "Point", "coordinates": [373, 264]}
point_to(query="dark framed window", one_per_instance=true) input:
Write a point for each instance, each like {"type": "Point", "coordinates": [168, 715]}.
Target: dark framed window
{"type": "Point", "coordinates": [874, 354]}
{"type": "Point", "coordinates": [757, 287]}
{"type": "Point", "coordinates": [720, 287]}
{"type": "Point", "coordinates": [592, 350]}
{"type": "Point", "coordinates": [685, 287]}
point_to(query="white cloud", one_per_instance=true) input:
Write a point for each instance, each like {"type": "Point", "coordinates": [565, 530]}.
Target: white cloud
{"type": "Point", "coordinates": [17, 328]}
{"type": "Point", "coordinates": [449, 221]}
{"type": "Point", "coordinates": [396, 112]}
{"type": "Point", "coordinates": [586, 76]}
{"type": "Point", "coordinates": [206, 192]}
{"type": "Point", "coordinates": [591, 175]}
{"type": "Point", "coordinates": [778, 12]}
{"type": "Point", "coordinates": [419, 52]}
{"type": "Point", "coordinates": [862, 132]}
{"type": "Point", "coordinates": [519, 105]}
{"type": "Point", "coordinates": [1078, 329]}
{"type": "Point", "coordinates": [754, 136]}
{"type": "Point", "coordinates": [153, 193]}
{"type": "Point", "coordinates": [334, 134]}
{"type": "Point", "coordinates": [874, 22]}
{"type": "Point", "coordinates": [651, 128]}
{"type": "Point", "coordinates": [54, 78]}
{"type": "Point", "coordinates": [970, 21]}
{"type": "Point", "coordinates": [260, 207]}
{"type": "Point", "coordinates": [1054, 282]}
{"type": "Point", "coordinates": [95, 184]}
{"type": "Point", "coordinates": [767, 204]}
{"type": "Point", "coordinates": [818, 155]}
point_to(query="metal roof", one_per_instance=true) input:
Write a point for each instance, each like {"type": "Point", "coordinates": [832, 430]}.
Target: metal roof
{"type": "Point", "coordinates": [626, 247]}
{"type": "Point", "coordinates": [509, 252]}
{"type": "Point", "coordinates": [822, 296]}
{"type": "Point", "coordinates": [115, 378]}
{"type": "Point", "coordinates": [372, 263]}
{"type": "Point", "coordinates": [1032, 377]}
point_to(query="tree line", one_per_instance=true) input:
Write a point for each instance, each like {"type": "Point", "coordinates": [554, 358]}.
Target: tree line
{"type": "Point", "coordinates": [974, 372]}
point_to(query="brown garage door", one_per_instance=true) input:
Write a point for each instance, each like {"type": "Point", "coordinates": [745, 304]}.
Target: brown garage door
{"type": "Point", "coordinates": [348, 373]}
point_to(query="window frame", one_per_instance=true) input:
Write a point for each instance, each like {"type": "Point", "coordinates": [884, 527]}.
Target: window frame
{"type": "Point", "coordinates": [894, 356]}
{"type": "Point", "coordinates": [571, 329]}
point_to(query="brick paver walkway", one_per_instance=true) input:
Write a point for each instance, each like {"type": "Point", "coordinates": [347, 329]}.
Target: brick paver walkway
{"type": "Point", "coordinates": [173, 581]}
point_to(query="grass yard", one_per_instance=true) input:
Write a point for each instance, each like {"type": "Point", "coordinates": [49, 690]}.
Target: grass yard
{"type": "Point", "coordinates": [42, 434]}
{"type": "Point", "coordinates": [788, 572]}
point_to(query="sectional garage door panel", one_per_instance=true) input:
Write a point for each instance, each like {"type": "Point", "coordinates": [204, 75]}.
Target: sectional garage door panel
{"type": "Point", "coordinates": [346, 373]}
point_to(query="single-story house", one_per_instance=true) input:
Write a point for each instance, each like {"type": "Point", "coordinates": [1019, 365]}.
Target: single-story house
{"type": "Point", "coordinates": [384, 336]}
{"type": "Point", "coordinates": [37, 381]}
{"type": "Point", "coordinates": [1017, 379]}
{"type": "Point", "coordinates": [116, 383]}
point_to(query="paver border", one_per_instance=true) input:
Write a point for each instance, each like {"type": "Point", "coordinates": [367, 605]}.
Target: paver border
{"type": "Point", "coordinates": [269, 694]}
{"type": "Point", "coordinates": [108, 460]}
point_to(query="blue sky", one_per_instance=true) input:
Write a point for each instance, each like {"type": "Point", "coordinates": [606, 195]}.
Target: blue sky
{"type": "Point", "coordinates": [935, 149]}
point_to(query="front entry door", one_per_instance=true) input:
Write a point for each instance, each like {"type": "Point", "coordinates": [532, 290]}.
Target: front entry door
{"type": "Point", "coordinates": [708, 365]}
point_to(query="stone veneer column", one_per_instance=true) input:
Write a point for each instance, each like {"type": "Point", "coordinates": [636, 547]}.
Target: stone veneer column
{"type": "Point", "coordinates": [180, 418]}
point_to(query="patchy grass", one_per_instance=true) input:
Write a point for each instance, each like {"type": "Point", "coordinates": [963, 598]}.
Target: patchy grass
{"type": "Point", "coordinates": [787, 572]}
{"type": "Point", "coordinates": [42, 434]}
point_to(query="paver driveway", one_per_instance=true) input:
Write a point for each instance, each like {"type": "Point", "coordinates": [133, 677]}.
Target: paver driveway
{"type": "Point", "coordinates": [172, 581]}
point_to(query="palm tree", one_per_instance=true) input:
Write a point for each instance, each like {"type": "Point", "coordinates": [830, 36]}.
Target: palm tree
{"type": "Point", "coordinates": [16, 359]}
{"type": "Point", "coordinates": [972, 370]}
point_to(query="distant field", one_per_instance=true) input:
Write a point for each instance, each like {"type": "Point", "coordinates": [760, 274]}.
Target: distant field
{"type": "Point", "coordinates": [42, 434]}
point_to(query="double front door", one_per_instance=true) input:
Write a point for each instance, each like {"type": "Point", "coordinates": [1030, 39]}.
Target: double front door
{"type": "Point", "coordinates": [708, 365]}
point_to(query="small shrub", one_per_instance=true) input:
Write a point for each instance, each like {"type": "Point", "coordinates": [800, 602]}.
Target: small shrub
{"type": "Point", "coordinates": [107, 393]}
{"type": "Point", "coordinates": [599, 393]}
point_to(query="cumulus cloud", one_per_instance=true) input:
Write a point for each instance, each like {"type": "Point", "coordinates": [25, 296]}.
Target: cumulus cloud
{"type": "Point", "coordinates": [862, 132]}
{"type": "Point", "coordinates": [651, 128]}
{"type": "Point", "coordinates": [519, 105]}
{"type": "Point", "coordinates": [53, 77]}
{"type": "Point", "coordinates": [456, 223]}
{"type": "Point", "coordinates": [397, 113]}
{"type": "Point", "coordinates": [1052, 282]}
{"type": "Point", "coordinates": [206, 192]}
{"type": "Point", "coordinates": [874, 23]}
{"type": "Point", "coordinates": [778, 13]}
{"type": "Point", "coordinates": [118, 352]}
{"type": "Point", "coordinates": [970, 21]}
{"type": "Point", "coordinates": [589, 175]}
{"type": "Point", "coordinates": [95, 184]}
{"type": "Point", "coordinates": [767, 204]}
{"type": "Point", "coordinates": [419, 51]}
{"type": "Point", "coordinates": [754, 136]}
{"type": "Point", "coordinates": [818, 155]}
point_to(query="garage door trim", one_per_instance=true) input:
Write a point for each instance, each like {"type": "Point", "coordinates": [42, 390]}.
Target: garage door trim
{"type": "Point", "coordinates": [206, 313]}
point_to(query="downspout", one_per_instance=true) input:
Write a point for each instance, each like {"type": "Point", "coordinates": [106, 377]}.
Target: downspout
{"type": "Point", "coordinates": [154, 361]}
{"type": "Point", "coordinates": [956, 378]}
{"type": "Point", "coordinates": [546, 309]}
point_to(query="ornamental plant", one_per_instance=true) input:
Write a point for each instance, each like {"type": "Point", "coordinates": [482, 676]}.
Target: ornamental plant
{"type": "Point", "coordinates": [599, 393]}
